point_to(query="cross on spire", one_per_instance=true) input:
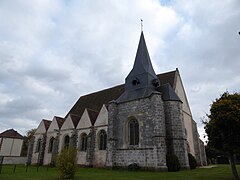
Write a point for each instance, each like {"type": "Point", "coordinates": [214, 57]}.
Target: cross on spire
{"type": "Point", "coordinates": [141, 25]}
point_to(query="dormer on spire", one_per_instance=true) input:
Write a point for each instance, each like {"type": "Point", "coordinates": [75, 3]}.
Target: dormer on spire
{"type": "Point", "coordinates": [142, 80]}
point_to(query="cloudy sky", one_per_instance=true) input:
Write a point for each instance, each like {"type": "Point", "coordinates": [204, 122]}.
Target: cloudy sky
{"type": "Point", "coordinates": [54, 51]}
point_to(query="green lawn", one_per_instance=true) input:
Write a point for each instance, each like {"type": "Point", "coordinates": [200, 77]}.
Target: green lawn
{"type": "Point", "coordinates": [221, 172]}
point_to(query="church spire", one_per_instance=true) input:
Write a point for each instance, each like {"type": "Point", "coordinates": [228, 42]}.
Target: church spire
{"type": "Point", "coordinates": [142, 62]}
{"type": "Point", "coordinates": [142, 80]}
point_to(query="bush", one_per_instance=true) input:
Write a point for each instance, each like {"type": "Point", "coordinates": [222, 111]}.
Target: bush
{"type": "Point", "coordinates": [173, 163]}
{"type": "Point", "coordinates": [66, 163]}
{"type": "Point", "coordinates": [133, 167]}
{"type": "Point", "coordinates": [192, 161]}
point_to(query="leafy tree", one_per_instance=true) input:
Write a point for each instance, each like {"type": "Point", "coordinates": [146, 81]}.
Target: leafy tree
{"type": "Point", "coordinates": [211, 154]}
{"type": "Point", "coordinates": [29, 135]}
{"type": "Point", "coordinates": [223, 127]}
{"type": "Point", "coordinates": [66, 162]}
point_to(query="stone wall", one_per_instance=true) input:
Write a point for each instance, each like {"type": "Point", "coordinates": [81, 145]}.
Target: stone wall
{"type": "Point", "coordinates": [175, 131]}
{"type": "Point", "coordinates": [197, 154]}
{"type": "Point", "coordinates": [202, 153]}
{"type": "Point", "coordinates": [149, 113]}
{"type": "Point", "coordinates": [14, 160]}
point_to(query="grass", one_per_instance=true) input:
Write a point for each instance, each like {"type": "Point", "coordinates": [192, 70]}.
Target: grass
{"type": "Point", "coordinates": [221, 172]}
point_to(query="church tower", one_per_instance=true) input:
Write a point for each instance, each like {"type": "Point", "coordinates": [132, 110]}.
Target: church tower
{"type": "Point", "coordinates": [136, 132]}
{"type": "Point", "coordinates": [145, 122]}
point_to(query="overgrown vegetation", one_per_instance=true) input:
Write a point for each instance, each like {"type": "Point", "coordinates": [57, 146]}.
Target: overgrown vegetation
{"type": "Point", "coordinates": [173, 163]}
{"type": "Point", "coordinates": [192, 161]}
{"type": "Point", "coordinates": [66, 162]}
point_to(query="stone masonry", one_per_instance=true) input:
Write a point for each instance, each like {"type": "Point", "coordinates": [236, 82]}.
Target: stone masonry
{"type": "Point", "coordinates": [151, 151]}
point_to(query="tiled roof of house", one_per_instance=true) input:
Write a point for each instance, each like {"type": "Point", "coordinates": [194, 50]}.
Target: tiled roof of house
{"type": "Point", "coordinates": [11, 133]}
{"type": "Point", "coordinates": [94, 101]}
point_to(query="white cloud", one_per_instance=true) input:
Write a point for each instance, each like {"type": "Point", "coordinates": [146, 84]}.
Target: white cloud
{"type": "Point", "coordinates": [52, 52]}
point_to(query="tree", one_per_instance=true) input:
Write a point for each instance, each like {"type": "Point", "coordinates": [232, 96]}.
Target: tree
{"type": "Point", "coordinates": [223, 127]}
{"type": "Point", "coordinates": [29, 135]}
{"type": "Point", "coordinates": [211, 154]}
{"type": "Point", "coordinates": [66, 162]}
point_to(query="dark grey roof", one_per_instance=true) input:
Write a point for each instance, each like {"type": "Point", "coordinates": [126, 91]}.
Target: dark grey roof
{"type": "Point", "coordinates": [60, 121]}
{"type": "Point", "coordinates": [47, 123]}
{"type": "Point", "coordinates": [142, 80]}
{"type": "Point", "coordinates": [142, 63]}
{"type": "Point", "coordinates": [11, 133]}
{"type": "Point", "coordinates": [75, 119]}
{"type": "Point", "coordinates": [168, 94]}
{"type": "Point", "coordinates": [96, 100]}
{"type": "Point", "coordinates": [92, 115]}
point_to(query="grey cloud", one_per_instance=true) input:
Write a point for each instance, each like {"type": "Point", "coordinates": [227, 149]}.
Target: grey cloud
{"type": "Point", "coordinates": [53, 52]}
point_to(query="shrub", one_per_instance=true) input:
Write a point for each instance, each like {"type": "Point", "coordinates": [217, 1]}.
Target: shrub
{"type": "Point", "coordinates": [173, 163]}
{"type": "Point", "coordinates": [66, 162]}
{"type": "Point", "coordinates": [133, 167]}
{"type": "Point", "coordinates": [192, 161]}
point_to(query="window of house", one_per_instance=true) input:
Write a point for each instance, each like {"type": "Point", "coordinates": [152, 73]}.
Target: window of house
{"type": "Point", "coordinates": [38, 145]}
{"type": "Point", "coordinates": [133, 132]}
{"type": "Point", "coordinates": [102, 140]}
{"type": "Point", "coordinates": [66, 141]}
{"type": "Point", "coordinates": [83, 141]}
{"type": "Point", "coordinates": [50, 147]}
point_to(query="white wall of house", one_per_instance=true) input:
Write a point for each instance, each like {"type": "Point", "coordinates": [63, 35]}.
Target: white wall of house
{"type": "Point", "coordinates": [66, 129]}
{"type": "Point", "coordinates": [47, 154]}
{"type": "Point", "coordinates": [11, 147]}
{"type": "Point", "coordinates": [100, 124]}
{"type": "Point", "coordinates": [187, 115]}
{"type": "Point", "coordinates": [35, 153]}
{"type": "Point", "coordinates": [52, 131]}
{"type": "Point", "coordinates": [84, 126]}
{"type": "Point", "coordinates": [41, 130]}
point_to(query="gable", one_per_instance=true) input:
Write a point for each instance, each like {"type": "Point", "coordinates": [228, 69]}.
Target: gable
{"type": "Point", "coordinates": [85, 121]}
{"type": "Point", "coordinates": [41, 128]}
{"type": "Point", "coordinates": [102, 118]}
{"type": "Point", "coordinates": [53, 126]}
{"type": "Point", "coordinates": [68, 123]}
{"type": "Point", "coordinates": [179, 89]}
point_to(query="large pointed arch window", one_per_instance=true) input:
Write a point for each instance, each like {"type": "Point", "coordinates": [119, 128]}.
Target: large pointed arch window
{"type": "Point", "coordinates": [83, 141]}
{"type": "Point", "coordinates": [50, 147]}
{"type": "Point", "coordinates": [133, 132]}
{"type": "Point", "coordinates": [38, 146]}
{"type": "Point", "coordinates": [66, 141]}
{"type": "Point", "coordinates": [102, 140]}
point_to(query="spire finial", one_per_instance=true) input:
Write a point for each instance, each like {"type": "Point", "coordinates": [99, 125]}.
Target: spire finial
{"type": "Point", "coordinates": [141, 25]}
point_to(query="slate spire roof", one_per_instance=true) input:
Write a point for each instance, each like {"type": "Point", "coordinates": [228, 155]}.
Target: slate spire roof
{"type": "Point", "coordinates": [142, 81]}
{"type": "Point", "coordinates": [142, 62]}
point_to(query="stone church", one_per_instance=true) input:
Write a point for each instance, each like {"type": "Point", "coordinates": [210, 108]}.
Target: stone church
{"type": "Point", "coordinates": [140, 122]}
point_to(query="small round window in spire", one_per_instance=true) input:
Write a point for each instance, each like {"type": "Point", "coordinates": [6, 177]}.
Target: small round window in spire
{"type": "Point", "coordinates": [135, 81]}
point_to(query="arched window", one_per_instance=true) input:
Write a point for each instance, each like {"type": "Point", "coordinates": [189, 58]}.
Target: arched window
{"type": "Point", "coordinates": [66, 141]}
{"type": "Point", "coordinates": [38, 145]}
{"type": "Point", "coordinates": [83, 142]}
{"type": "Point", "coordinates": [102, 140]}
{"type": "Point", "coordinates": [133, 132]}
{"type": "Point", "coordinates": [50, 147]}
